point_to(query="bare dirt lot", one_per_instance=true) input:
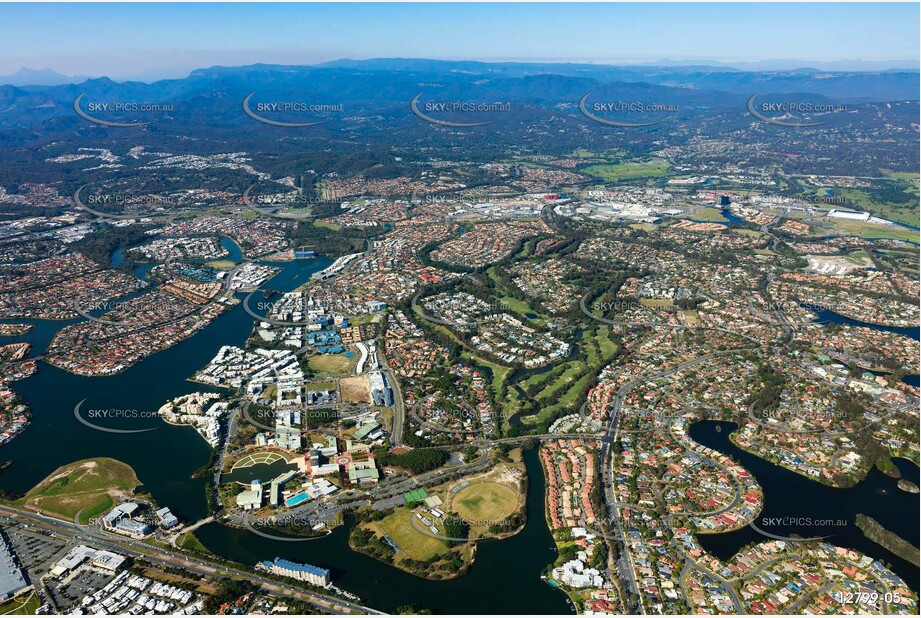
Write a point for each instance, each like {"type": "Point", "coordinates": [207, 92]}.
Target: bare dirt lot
{"type": "Point", "coordinates": [355, 389]}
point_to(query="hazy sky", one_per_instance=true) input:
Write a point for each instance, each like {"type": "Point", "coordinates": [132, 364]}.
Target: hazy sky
{"type": "Point", "coordinates": [157, 40]}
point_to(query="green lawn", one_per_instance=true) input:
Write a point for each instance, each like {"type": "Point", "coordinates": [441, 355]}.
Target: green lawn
{"type": "Point", "coordinates": [328, 226]}
{"type": "Point", "coordinates": [631, 170]}
{"type": "Point", "coordinates": [189, 541]}
{"type": "Point", "coordinates": [89, 487]}
{"type": "Point", "coordinates": [414, 544]}
{"type": "Point", "coordinates": [485, 501]}
{"type": "Point", "coordinates": [713, 215]}
{"type": "Point", "coordinates": [870, 230]}
{"type": "Point", "coordinates": [332, 364]}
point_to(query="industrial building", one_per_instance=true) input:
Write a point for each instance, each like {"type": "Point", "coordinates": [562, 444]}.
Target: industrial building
{"type": "Point", "coordinates": [98, 558]}
{"type": "Point", "coordinates": [12, 579]}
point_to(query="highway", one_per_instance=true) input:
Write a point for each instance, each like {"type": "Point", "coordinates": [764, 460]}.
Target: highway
{"type": "Point", "coordinates": [164, 557]}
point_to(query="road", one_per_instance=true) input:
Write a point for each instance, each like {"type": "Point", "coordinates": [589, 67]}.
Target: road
{"type": "Point", "coordinates": [164, 557]}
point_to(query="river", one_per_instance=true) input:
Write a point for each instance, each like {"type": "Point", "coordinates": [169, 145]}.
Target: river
{"type": "Point", "coordinates": [788, 494]}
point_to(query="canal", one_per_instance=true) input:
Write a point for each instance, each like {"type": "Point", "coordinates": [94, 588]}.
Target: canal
{"type": "Point", "coordinates": [796, 505]}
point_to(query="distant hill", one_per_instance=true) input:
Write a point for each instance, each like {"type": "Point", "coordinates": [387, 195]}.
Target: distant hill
{"type": "Point", "coordinates": [38, 77]}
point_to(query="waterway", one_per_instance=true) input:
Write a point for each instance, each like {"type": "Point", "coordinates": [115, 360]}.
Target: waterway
{"type": "Point", "coordinates": [166, 458]}
{"type": "Point", "coordinates": [824, 316]}
{"type": "Point", "coordinates": [805, 504]}
{"type": "Point", "coordinates": [505, 577]}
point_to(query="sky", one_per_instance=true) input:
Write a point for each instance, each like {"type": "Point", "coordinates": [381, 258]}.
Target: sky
{"type": "Point", "coordinates": [152, 41]}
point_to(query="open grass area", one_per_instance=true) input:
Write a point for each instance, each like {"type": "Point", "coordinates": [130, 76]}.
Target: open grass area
{"type": "Point", "coordinates": [860, 258]}
{"type": "Point", "coordinates": [631, 170]}
{"type": "Point", "coordinates": [522, 309]}
{"type": "Point", "coordinates": [332, 364]}
{"type": "Point", "coordinates": [413, 543]}
{"type": "Point", "coordinates": [202, 585]}
{"type": "Point", "coordinates": [92, 486]}
{"type": "Point", "coordinates": [320, 385]}
{"type": "Point", "coordinates": [221, 264]}
{"type": "Point", "coordinates": [663, 303]}
{"type": "Point", "coordinates": [711, 215]}
{"type": "Point", "coordinates": [24, 604]}
{"type": "Point", "coordinates": [485, 501]}
{"type": "Point", "coordinates": [870, 230]}
{"type": "Point", "coordinates": [328, 226]}
{"type": "Point", "coordinates": [188, 541]}
{"type": "Point", "coordinates": [875, 202]}
{"type": "Point", "coordinates": [747, 232]}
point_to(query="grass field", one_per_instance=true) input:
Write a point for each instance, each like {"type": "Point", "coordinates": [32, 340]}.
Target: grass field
{"type": "Point", "coordinates": [221, 264]}
{"type": "Point", "coordinates": [663, 303]}
{"type": "Point", "coordinates": [320, 385]}
{"type": "Point", "coordinates": [414, 544]}
{"type": "Point", "coordinates": [328, 226]}
{"type": "Point", "coordinates": [92, 486]}
{"type": "Point", "coordinates": [747, 232]}
{"type": "Point", "coordinates": [870, 230]}
{"type": "Point", "coordinates": [860, 258]}
{"type": "Point", "coordinates": [631, 170]}
{"type": "Point", "coordinates": [711, 215]}
{"type": "Point", "coordinates": [867, 199]}
{"type": "Point", "coordinates": [201, 585]}
{"type": "Point", "coordinates": [485, 501]}
{"type": "Point", "coordinates": [332, 364]}
{"type": "Point", "coordinates": [24, 604]}
{"type": "Point", "coordinates": [522, 309]}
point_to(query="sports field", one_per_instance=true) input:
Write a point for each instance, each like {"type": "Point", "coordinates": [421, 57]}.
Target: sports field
{"type": "Point", "coordinates": [411, 542]}
{"type": "Point", "coordinates": [485, 501]}
{"type": "Point", "coordinates": [332, 364]}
